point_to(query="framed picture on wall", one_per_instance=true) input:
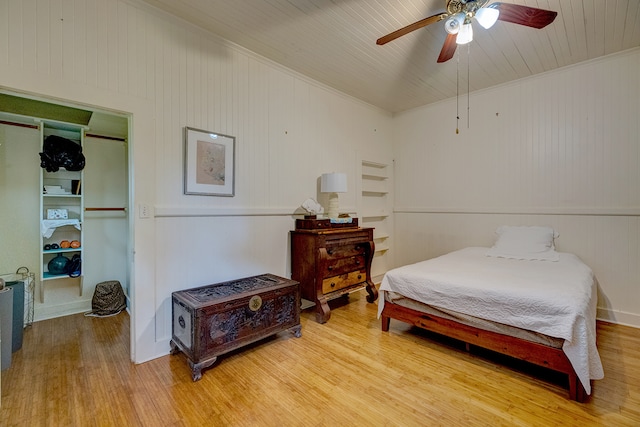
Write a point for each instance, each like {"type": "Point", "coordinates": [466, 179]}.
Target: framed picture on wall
{"type": "Point", "coordinates": [209, 163]}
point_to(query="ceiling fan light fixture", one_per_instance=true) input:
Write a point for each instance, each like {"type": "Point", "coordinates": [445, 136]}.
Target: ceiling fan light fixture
{"type": "Point", "coordinates": [459, 15]}
{"type": "Point", "coordinates": [465, 35]}
{"type": "Point", "coordinates": [453, 24]}
{"type": "Point", "coordinates": [487, 16]}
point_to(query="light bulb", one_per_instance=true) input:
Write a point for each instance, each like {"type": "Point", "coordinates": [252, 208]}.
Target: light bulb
{"type": "Point", "coordinates": [453, 24]}
{"type": "Point", "coordinates": [487, 16]}
{"type": "Point", "coordinates": [465, 35]}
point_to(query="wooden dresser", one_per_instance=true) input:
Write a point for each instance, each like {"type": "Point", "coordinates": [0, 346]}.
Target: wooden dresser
{"type": "Point", "coordinates": [330, 263]}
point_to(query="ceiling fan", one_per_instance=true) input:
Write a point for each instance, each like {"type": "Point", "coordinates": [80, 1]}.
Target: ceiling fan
{"type": "Point", "coordinates": [461, 13]}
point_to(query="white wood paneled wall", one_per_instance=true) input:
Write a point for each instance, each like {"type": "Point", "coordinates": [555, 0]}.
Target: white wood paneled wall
{"type": "Point", "coordinates": [559, 149]}
{"type": "Point", "coordinates": [19, 176]}
{"type": "Point", "coordinates": [289, 131]}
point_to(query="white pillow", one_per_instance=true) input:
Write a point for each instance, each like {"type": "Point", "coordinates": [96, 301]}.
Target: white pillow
{"type": "Point", "coordinates": [525, 242]}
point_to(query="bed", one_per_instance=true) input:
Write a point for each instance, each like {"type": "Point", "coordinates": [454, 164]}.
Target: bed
{"type": "Point", "coordinates": [520, 298]}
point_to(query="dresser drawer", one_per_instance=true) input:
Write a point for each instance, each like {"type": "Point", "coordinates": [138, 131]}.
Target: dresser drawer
{"type": "Point", "coordinates": [344, 265]}
{"type": "Point", "coordinates": [347, 240]}
{"type": "Point", "coordinates": [335, 283]}
{"type": "Point", "coordinates": [344, 251]}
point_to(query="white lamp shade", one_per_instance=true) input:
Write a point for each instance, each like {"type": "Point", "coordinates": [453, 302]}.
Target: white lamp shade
{"type": "Point", "coordinates": [487, 16]}
{"type": "Point", "coordinates": [335, 182]}
{"type": "Point", "coordinates": [465, 35]}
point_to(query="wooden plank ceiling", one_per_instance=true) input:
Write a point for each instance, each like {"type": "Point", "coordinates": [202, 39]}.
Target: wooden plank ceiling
{"type": "Point", "coordinates": [333, 41]}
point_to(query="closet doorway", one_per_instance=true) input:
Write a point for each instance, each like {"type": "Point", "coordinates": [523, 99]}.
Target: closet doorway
{"type": "Point", "coordinates": [106, 245]}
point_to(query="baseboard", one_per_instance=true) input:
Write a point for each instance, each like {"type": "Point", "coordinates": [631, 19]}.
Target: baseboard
{"type": "Point", "coordinates": [619, 317]}
{"type": "Point", "coordinates": [45, 313]}
{"type": "Point", "coordinates": [377, 280]}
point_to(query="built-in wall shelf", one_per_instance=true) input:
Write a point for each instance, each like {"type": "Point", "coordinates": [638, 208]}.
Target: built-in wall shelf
{"type": "Point", "coordinates": [374, 177]}
{"type": "Point", "coordinates": [375, 209]}
{"type": "Point", "coordinates": [374, 216]}
{"type": "Point", "coordinates": [374, 193]}
{"type": "Point", "coordinates": [368, 163]}
{"type": "Point", "coordinates": [61, 212]}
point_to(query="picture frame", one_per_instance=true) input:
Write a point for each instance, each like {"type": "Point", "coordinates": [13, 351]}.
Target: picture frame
{"type": "Point", "coordinates": [209, 163]}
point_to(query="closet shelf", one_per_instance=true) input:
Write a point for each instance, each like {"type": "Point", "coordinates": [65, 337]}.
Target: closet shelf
{"type": "Point", "coordinates": [49, 276]}
{"type": "Point", "coordinates": [62, 195]}
{"type": "Point", "coordinates": [61, 205]}
{"type": "Point", "coordinates": [61, 251]}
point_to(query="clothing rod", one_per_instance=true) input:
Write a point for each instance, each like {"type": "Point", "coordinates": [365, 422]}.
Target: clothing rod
{"type": "Point", "coordinates": [22, 125]}
{"type": "Point", "coordinates": [110, 138]}
{"type": "Point", "coordinates": [92, 135]}
{"type": "Point", "coordinates": [105, 209]}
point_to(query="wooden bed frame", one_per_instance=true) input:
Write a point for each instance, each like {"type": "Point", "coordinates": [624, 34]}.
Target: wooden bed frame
{"type": "Point", "coordinates": [539, 354]}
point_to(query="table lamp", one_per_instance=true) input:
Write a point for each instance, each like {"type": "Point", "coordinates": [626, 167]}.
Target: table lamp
{"type": "Point", "coordinates": [333, 183]}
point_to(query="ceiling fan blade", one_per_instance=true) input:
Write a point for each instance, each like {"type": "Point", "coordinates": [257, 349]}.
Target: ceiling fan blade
{"type": "Point", "coordinates": [409, 28]}
{"type": "Point", "coordinates": [448, 48]}
{"type": "Point", "coordinates": [524, 15]}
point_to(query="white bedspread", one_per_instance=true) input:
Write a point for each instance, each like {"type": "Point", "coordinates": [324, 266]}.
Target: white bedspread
{"type": "Point", "coordinates": [553, 298]}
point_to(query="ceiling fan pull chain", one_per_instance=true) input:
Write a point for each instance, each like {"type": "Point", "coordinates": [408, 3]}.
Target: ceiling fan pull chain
{"type": "Point", "coordinates": [468, 80]}
{"type": "Point", "coordinates": [457, 92]}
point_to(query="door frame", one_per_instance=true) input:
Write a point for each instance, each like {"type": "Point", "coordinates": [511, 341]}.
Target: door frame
{"type": "Point", "coordinates": [130, 270]}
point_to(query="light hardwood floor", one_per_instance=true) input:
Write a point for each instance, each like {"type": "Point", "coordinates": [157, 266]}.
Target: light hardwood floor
{"type": "Point", "coordinates": [75, 371]}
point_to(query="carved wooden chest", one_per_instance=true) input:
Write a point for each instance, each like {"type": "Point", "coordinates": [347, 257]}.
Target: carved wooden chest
{"type": "Point", "coordinates": [212, 320]}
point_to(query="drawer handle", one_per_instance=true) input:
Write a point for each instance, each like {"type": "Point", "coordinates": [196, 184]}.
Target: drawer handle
{"type": "Point", "coordinates": [356, 261]}
{"type": "Point", "coordinates": [330, 251]}
{"type": "Point", "coordinates": [181, 322]}
{"type": "Point", "coordinates": [333, 285]}
{"type": "Point", "coordinates": [330, 268]}
{"type": "Point", "coordinates": [359, 276]}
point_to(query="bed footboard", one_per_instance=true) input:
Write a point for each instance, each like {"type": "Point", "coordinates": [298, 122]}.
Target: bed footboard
{"type": "Point", "coordinates": [538, 354]}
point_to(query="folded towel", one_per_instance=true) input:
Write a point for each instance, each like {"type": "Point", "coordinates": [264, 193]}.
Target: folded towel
{"type": "Point", "coordinates": [48, 226]}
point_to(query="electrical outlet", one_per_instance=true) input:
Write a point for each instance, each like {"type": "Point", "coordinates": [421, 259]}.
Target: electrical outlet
{"type": "Point", "coordinates": [145, 210]}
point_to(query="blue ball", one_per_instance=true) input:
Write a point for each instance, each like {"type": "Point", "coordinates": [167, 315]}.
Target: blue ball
{"type": "Point", "coordinates": [57, 264]}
